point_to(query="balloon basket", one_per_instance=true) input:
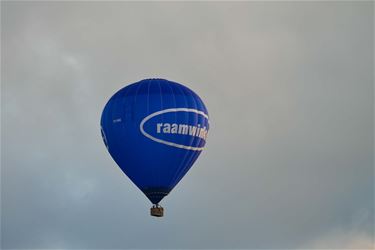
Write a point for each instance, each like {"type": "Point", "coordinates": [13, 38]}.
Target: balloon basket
{"type": "Point", "coordinates": [157, 211]}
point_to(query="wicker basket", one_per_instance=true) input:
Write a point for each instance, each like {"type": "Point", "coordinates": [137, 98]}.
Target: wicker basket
{"type": "Point", "coordinates": [157, 211]}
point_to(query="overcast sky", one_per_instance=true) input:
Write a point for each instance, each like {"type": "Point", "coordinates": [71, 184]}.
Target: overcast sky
{"type": "Point", "coordinates": [289, 158]}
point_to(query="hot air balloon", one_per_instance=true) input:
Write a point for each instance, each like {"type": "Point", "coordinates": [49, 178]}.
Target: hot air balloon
{"type": "Point", "coordinates": [155, 130]}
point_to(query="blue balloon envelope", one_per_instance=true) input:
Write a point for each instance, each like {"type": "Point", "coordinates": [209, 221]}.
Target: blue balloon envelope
{"type": "Point", "coordinates": [155, 130]}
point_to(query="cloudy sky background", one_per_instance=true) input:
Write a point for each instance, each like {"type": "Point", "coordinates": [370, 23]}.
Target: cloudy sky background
{"type": "Point", "coordinates": [289, 159]}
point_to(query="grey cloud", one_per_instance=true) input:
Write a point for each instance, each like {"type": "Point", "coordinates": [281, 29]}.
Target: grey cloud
{"type": "Point", "coordinates": [289, 88]}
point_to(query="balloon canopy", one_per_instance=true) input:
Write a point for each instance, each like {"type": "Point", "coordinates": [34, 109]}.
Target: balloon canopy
{"type": "Point", "coordinates": [155, 130]}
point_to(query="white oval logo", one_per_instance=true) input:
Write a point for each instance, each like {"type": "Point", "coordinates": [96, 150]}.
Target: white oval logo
{"type": "Point", "coordinates": [198, 131]}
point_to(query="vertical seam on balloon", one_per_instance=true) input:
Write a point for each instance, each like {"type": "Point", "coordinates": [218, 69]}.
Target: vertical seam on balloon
{"type": "Point", "coordinates": [162, 119]}
{"type": "Point", "coordinates": [175, 106]}
{"type": "Point", "coordinates": [148, 110]}
{"type": "Point", "coordinates": [135, 103]}
{"type": "Point", "coordinates": [192, 155]}
{"type": "Point", "coordinates": [174, 102]}
{"type": "Point", "coordinates": [148, 96]}
{"type": "Point", "coordinates": [106, 120]}
{"type": "Point", "coordinates": [195, 156]}
{"type": "Point", "coordinates": [174, 97]}
{"type": "Point", "coordinates": [124, 101]}
{"type": "Point", "coordinates": [186, 151]}
{"type": "Point", "coordinates": [181, 166]}
{"type": "Point", "coordinates": [109, 115]}
{"type": "Point", "coordinates": [200, 108]}
{"type": "Point", "coordinates": [124, 96]}
{"type": "Point", "coordinates": [203, 124]}
{"type": "Point", "coordinates": [136, 93]}
{"type": "Point", "coordinates": [128, 92]}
